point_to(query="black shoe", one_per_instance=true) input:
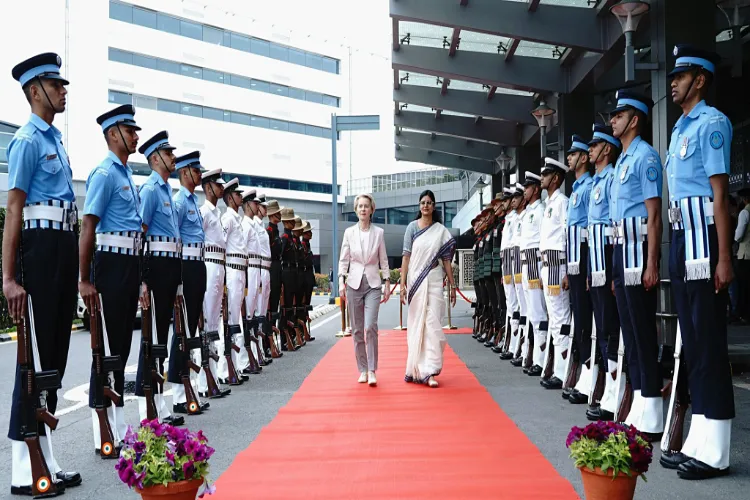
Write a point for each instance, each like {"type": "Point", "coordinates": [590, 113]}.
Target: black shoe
{"type": "Point", "coordinates": [225, 381]}
{"type": "Point", "coordinates": [534, 371]}
{"type": "Point", "coordinates": [244, 377]}
{"type": "Point", "coordinates": [268, 356]}
{"type": "Point", "coordinates": [505, 356]}
{"type": "Point", "coordinates": [673, 459]}
{"type": "Point", "coordinates": [489, 343]}
{"type": "Point", "coordinates": [250, 371]}
{"type": "Point", "coordinates": [26, 490]}
{"type": "Point", "coordinates": [111, 456]}
{"type": "Point", "coordinates": [180, 408]}
{"type": "Point", "coordinates": [283, 347]}
{"type": "Point", "coordinates": [205, 406]}
{"type": "Point", "coordinates": [697, 470]}
{"type": "Point", "coordinates": [226, 391]}
{"type": "Point", "coordinates": [578, 398]}
{"type": "Point", "coordinates": [69, 479]}
{"type": "Point", "coordinates": [221, 394]}
{"type": "Point", "coordinates": [498, 349]}
{"type": "Point", "coordinates": [516, 361]}
{"type": "Point", "coordinates": [567, 392]}
{"type": "Point", "coordinates": [311, 338]}
{"type": "Point", "coordinates": [552, 383]}
{"type": "Point", "coordinates": [268, 359]}
{"type": "Point", "coordinates": [598, 413]}
{"type": "Point", "coordinates": [652, 437]}
{"type": "Point", "coordinates": [174, 420]}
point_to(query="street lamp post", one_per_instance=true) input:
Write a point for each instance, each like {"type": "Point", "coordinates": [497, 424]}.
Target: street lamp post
{"type": "Point", "coordinates": [480, 184]}
{"type": "Point", "coordinates": [543, 115]}
{"type": "Point", "coordinates": [341, 124]}
{"type": "Point", "coordinates": [629, 13]}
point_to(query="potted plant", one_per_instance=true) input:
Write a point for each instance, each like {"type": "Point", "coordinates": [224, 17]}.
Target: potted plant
{"type": "Point", "coordinates": [165, 462]}
{"type": "Point", "coordinates": [610, 457]}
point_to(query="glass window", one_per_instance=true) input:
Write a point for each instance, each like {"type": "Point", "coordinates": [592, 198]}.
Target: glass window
{"type": "Point", "coordinates": [145, 61]}
{"type": "Point", "coordinates": [260, 86]}
{"type": "Point", "coordinates": [282, 90]}
{"type": "Point", "coordinates": [279, 52]}
{"type": "Point", "coordinates": [142, 101]}
{"type": "Point", "coordinates": [191, 71]}
{"type": "Point", "coordinates": [168, 106]}
{"type": "Point", "coordinates": [240, 42]}
{"type": "Point", "coordinates": [240, 118]}
{"type": "Point", "coordinates": [260, 47]}
{"type": "Point", "coordinates": [192, 110]}
{"type": "Point", "coordinates": [168, 66]}
{"type": "Point", "coordinates": [121, 12]}
{"type": "Point", "coordinates": [402, 216]}
{"type": "Point", "coordinates": [118, 55]}
{"type": "Point", "coordinates": [213, 114]}
{"type": "Point", "coordinates": [191, 30]}
{"type": "Point", "coordinates": [313, 131]}
{"type": "Point", "coordinates": [297, 128]}
{"type": "Point", "coordinates": [330, 65]}
{"type": "Point", "coordinates": [279, 125]}
{"type": "Point", "coordinates": [313, 61]}
{"type": "Point", "coordinates": [296, 93]}
{"type": "Point", "coordinates": [143, 17]}
{"type": "Point", "coordinates": [227, 41]}
{"type": "Point", "coordinates": [379, 216]}
{"type": "Point", "coordinates": [214, 76]}
{"type": "Point", "coordinates": [259, 121]}
{"type": "Point", "coordinates": [296, 57]}
{"type": "Point", "coordinates": [449, 212]}
{"type": "Point", "coordinates": [120, 97]}
{"type": "Point", "coordinates": [240, 81]}
{"type": "Point", "coordinates": [329, 100]}
{"type": "Point", "coordinates": [167, 23]}
{"type": "Point", "coordinates": [213, 35]}
{"type": "Point", "coordinates": [315, 97]}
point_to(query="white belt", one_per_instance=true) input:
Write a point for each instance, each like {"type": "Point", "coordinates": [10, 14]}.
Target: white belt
{"type": "Point", "coordinates": [675, 213]}
{"type": "Point", "coordinates": [163, 246]}
{"type": "Point", "coordinates": [56, 214]}
{"type": "Point", "coordinates": [214, 256]}
{"type": "Point", "coordinates": [253, 261]}
{"type": "Point", "coordinates": [619, 233]}
{"type": "Point", "coordinates": [192, 252]}
{"type": "Point", "coordinates": [608, 231]}
{"type": "Point", "coordinates": [117, 241]}
{"type": "Point", "coordinates": [237, 261]}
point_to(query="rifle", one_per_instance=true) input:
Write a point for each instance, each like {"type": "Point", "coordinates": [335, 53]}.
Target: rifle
{"type": "Point", "coordinates": [207, 339]}
{"type": "Point", "coordinates": [522, 337]}
{"type": "Point", "coordinates": [247, 328]}
{"type": "Point", "coordinates": [549, 356]}
{"type": "Point", "coordinates": [528, 360]}
{"type": "Point", "coordinates": [104, 380]}
{"type": "Point", "coordinates": [596, 386]}
{"type": "Point", "coordinates": [152, 352]}
{"type": "Point", "coordinates": [285, 323]}
{"type": "Point", "coordinates": [572, 357]}
{"type": "Point", "coordinates": [679, 401]}
{"type": "Point", "coordinates": [228, 339]}
{"type": "Point", "coordinates": [622, 369]}
{"type": "Point", "coordinates": [187, 344]}
{"type": "Point", "coordinates": [34, 387]}
{"type": "Point", "coordinates": [294, 324]}
{"type": "Point", "coordinates": [274, 317]}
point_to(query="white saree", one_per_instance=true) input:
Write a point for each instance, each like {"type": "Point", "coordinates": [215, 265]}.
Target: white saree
{"type": "Point", "coordinates": [428, 247]}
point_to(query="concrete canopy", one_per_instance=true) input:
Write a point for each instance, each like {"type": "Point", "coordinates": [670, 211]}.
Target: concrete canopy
{"type": "Point", "coordinates": [445, 160]}
{"type": "Point", "coordinates": [449, 145]}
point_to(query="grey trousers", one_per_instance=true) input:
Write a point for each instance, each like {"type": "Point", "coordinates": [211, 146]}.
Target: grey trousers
{"type": "Point", "coordinates": [363, 305]}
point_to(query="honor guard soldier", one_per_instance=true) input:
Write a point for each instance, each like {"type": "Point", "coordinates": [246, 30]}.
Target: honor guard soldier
{"type": "Point", "coordinates": [214, 258]}
{"type": "Point", "coordinates": [500, 207]}
{"type": "Point", "coordinates": [249, 210]}
{"type": "Point", "coordinates": [635, 208]}
{"type": "Point", "coordinates": [40, 235]}
{"type": "Point", "coordinates": [553, 245]}
{"type": "Point", "coordinates": [273, 212]}
{"type": "Point", "coordinates": [700, 262]}
{"type": "Point", "coordinates": [531, 260]}
{"type": "Point", "coordinates": [261, 309]}
{"type": "Point", "coordinates": [603, 151]}
{"type": "Point", "coordinates": [235, 277]}
{"type": "Point", "coordinates": [522, 352]}
{"type": "Point", "coordinates": [475, 224]}
{"type": "Point", "coordinates": [112, 228]}
{"type": "Point", "coordinates": [289, 274]}
{"type": "Point", "coordinates": [190, 225]}
{"type": "Point", "coordinates": [308, 269]}
{"type": "Point", "coordinates": [513, 313]}
{"type": "Point", "coordinates": [577, 249]}
{"type": "Point", "coordinates": [162, 267]}
{"type": "Point", "coordinates": [300, 309]}
{"type": "Point", "coordinates": [489, 284]}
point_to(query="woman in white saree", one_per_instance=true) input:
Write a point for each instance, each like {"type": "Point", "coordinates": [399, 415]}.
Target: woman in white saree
{"type": "Point", "coordinates": [428, 251]}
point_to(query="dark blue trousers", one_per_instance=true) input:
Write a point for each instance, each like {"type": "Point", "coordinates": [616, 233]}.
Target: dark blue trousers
{"type": "Point", "coordinates": [580, 303]}
{"type": "Point", "coordinates": [605, 313]}
{"type": "Point", "coordinates": [703, 326]}
{"type": "Point", "coordinates": [193, 290]}
{"type": "Point", "coordinates": [637, 308]}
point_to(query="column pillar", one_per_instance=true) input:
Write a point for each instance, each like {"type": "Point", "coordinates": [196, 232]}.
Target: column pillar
{"type": "Point", "coordinates": [576, 115]}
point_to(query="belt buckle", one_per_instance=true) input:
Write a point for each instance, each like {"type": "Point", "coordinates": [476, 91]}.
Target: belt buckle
{"type": "Point", "coordinates": [70, 216]}
{"type": "Point", "coordinates": [179, 247]}
{"type": "Point", "coordinates": [137, 242]}
{"type": "Point", "coordinates": [675, 215]}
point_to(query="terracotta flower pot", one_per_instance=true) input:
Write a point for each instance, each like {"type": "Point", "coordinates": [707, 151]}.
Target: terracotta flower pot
{"type": "Point", "coordinates": [180, 490]}
{"type": "Point", "coordinates": [599, 485]}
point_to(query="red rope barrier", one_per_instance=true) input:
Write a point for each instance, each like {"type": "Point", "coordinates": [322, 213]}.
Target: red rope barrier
{"type": "Point", "coordinates": [462, 295]}
{"type": "Point", "coordinates": [394, 287]}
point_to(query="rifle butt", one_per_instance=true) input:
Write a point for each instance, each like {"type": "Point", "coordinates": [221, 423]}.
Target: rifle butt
{"type": "Point", "coordinates": [107, 448]}
{"type": "Point", "coordinates": [42, 483]}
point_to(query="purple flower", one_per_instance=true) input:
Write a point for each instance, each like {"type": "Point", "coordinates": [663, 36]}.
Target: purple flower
{"type": "Point", "coordinates": [170, 457]}
{"type": "Point", "coordinates": [130, 436]}
{"type": "Point", "coordinates": [188, 469]}
{"type": "Point", "coordinates": [127, 474]}
{"type": "Point", "coordinates": [139, 447]}
{"type": "Point", "coordinates": [209, 490]}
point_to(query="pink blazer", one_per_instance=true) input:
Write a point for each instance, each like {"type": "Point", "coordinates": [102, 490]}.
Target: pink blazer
{"type": "Point", "coordinates": [356, 261]}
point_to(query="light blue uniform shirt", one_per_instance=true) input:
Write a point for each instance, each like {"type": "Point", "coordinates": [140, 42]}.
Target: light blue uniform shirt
{"type": "Point", "coordinates": [637, 178]}
{"type": "Point", "coordinates": [579, 201]}
{"type": "Point", "coordinates": [189, 219]}
{"type": "Point", "coordinates": [112, 197]}
{"type": "Point", "coordinates": [156, 207]}
{"type": "Point", "coordinates": [699, 149]}
{"type": "Point", "coordinates": [599, 201]}
{"type": "Point", "coordinates": [38, 164]}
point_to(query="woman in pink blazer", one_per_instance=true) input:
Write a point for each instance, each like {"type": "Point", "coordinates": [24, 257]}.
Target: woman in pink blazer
{"type": "Point", "coordinates": [363, 262]}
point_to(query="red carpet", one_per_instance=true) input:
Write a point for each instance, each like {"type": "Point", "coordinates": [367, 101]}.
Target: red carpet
{"type": "Point", "coordinates": [458, 331]}
{"type": "Point", "coordinates": [337, 439]}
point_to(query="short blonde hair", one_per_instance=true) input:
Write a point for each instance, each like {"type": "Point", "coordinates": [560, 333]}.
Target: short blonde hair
{"type": "Point", "coordinates": [364, 195]}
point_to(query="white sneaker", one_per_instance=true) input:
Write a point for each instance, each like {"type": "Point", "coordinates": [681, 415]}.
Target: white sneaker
{"type": "Point", "coordinates": [362, 378]}
{"type": "Point", "coordinates": [371, 378]}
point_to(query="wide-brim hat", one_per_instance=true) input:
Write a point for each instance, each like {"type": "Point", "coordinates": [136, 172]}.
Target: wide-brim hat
{"type": "Point", "coordinates": [297, 223]}
{"type": "Point", "coordinates": [287, 214]}
{"type": "Point", "coordinates": [306, 227]}
{"type": "Point", "coordinates": [273, 207]}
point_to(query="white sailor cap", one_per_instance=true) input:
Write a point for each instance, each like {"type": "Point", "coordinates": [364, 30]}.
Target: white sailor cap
{"type": "Point", "coordinates": [550, 165]}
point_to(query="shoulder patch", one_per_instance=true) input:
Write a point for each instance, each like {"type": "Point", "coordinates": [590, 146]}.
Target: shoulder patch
{"type": "Point", "coordinates": [652, 174]}
{"type": "Point", "coordinates": [716, 139]}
